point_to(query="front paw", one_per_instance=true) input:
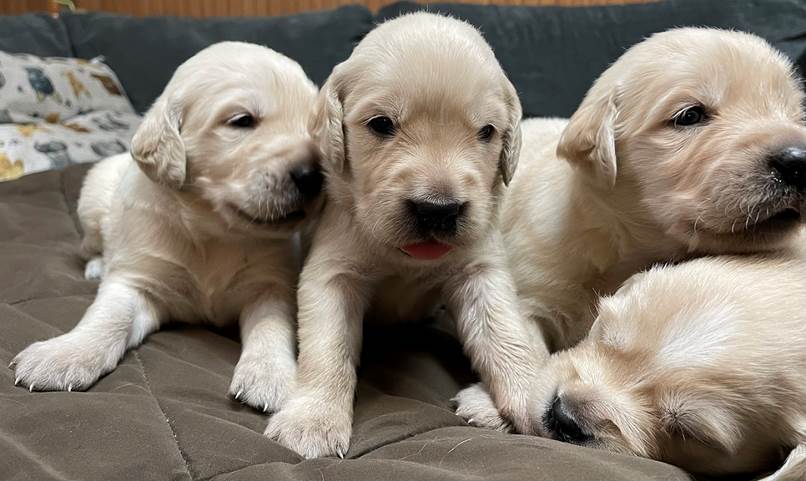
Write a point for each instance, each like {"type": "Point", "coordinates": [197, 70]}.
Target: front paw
{"type": "Point", "coordinates": [476, 407]}
{"type": "Point", "coordinates": [312, 427]}
{"type": "Point", "coordinates": [262, 382]}
{"type": "Point", "coordinates": [65, 363]}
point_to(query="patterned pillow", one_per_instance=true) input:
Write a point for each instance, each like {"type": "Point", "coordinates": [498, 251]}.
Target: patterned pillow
{"type": "Point", "coordinates": [55, 89]}
{"type": "Point", "coordinates": [59, 111]}
{"type": "Point", "coordinates": [35, 147]}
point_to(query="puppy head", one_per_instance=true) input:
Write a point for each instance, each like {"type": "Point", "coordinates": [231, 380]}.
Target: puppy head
{"type": "Point", "coordinates": [706, 128]}
{"type": "Point", "coordinates": [229, 133]}
{"type": "Point", "coordinates": [661, 379]}
{"type": "Point", "coordinates": [419, 128]}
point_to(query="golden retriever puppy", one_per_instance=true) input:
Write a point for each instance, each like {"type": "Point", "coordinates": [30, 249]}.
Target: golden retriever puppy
{"type": "Point", "coordinates": [692, 142]}
{"type": "Point", "coordinates": [419, 129]}
{"type": "Point", "coordinates": [702, 365]}
{"type": "Point", "coordinates": [198, 226]}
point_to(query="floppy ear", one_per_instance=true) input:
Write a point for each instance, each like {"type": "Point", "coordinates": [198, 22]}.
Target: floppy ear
{"type": "Point", "coordinates": [589, 140]}
{"type": "Point", "coordinates": [702, 420]}
{"type": "Point", "coordinates": [326, 126]}
{"type": "Point", "coordinates": [157, 146]}
{"type": "Point", "coordinates": [511, 135]}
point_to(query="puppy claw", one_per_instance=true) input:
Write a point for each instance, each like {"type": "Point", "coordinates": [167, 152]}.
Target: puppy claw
{"type": "Point", "coordinates": [17, 382]}
{"type": "Point", "coordinates": [238, 395]}
{"type": "Point", "coordinates": [69, 388]}
{"type": "Point", "coordinates": [12, 364]}
{"type": "Point", "coordinates": [31, 388]}
{"type": "Point", "coordinates": [265, 407]}
{"type": "Point", "coordinates": [340, 453]}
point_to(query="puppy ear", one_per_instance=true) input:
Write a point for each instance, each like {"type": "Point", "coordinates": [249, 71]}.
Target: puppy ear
{"type": "Point", "coordinates": [326, 126]}
{"type": "Point", "coordinates": [589, 139]}
{"type": "Point", "coordinates": [511, 135]}
{"type": "Point", "coordinates": [157, 146]}
{"type": "Point", "coordinates": [702, 419]}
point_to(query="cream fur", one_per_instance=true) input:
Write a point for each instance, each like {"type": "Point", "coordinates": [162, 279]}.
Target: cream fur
{"type": "Point", "coordinates": [196, 230]}
{"type": "Point", "coordinates": [440, 82]}
{"type": "Point", "coordinates": [702, 365]}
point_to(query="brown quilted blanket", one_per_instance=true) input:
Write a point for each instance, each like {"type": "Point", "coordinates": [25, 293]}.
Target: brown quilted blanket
{"type": "Point", "coordinates": [163, 414]}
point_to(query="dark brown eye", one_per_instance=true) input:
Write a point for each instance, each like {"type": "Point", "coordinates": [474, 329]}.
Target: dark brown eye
{"type": "Point", "coordinates": [486, 133]}
{"type": "Point", "coordinates": [690, 116]}
{"type": "Point", "coordinates": [242, 121]}
{"type": "Point", "coordinates": [382, 126]}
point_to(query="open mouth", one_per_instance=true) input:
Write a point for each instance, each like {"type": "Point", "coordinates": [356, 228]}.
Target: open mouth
{"type": "Point", "coordinates": [428, 250]}
{"type": "Point", "coordinates": [293, 216]}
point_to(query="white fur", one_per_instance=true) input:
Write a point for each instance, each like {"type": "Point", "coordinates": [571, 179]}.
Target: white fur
{"type": "Point", "coordinates": [173, 245]}
{"type": "Point", "coordinates": [440, 82]}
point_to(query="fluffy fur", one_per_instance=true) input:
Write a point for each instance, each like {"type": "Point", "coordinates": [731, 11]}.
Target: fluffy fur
{"type": "Point", "coordinates": [619, 186]}
{"type": "Point", "coordinates": [440, 85]}
{"type": "Point", "coordinates": [199, 228]}
{"type": "Point", "coordinates": [702, 365]}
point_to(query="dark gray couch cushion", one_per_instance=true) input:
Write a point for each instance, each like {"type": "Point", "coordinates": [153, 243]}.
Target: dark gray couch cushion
{"type": "Point", "coordinates": [553, 54]}
{"type": "Point", "coordinates": [144, 52]}
{"type": "Point", "coordinates": [37, 34]}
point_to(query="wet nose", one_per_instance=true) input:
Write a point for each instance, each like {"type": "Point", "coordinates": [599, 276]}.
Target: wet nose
{"type": "Point", "coordinates": [790, 165]}
{"type": "Point", "coordinates": [564, 428]}
{"type": "Point", "coordinates": [308, 179]}
{"type": "Point", "coordinates": [436, 217]}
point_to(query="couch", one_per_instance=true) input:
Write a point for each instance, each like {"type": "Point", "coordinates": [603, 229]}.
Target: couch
{"type": "Point", "coordinates": [164, 414]}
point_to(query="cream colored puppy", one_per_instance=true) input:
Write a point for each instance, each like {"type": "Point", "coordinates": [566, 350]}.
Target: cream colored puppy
{"type": "Point", "coordinates": [199, 228]}
{"type": "Point", "coordinates": [692, 142]}
{"type": "Point", "coordinates": [702, 365]}
{"type": "Point", "coordinates": [420, 131]}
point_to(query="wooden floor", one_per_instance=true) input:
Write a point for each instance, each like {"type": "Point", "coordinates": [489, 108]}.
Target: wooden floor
{"type": "Point", "coordinates": [216, 8]}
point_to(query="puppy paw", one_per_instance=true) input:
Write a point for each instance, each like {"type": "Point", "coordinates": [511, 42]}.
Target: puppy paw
{"type": "Point", "coordinates": [95, 268]}
{"type": "Point", "coordinates": [313, 428]}
{"type": "Point", "coordinates": [64, 363]}
{"type": "Point", "coordinates": [262, 382]}
{"type": "Point", "coordinates": [476, 407]}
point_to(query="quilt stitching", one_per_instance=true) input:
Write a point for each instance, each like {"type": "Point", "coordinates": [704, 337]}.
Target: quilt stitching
{"type": "Point", "coordinates": [164, 415]}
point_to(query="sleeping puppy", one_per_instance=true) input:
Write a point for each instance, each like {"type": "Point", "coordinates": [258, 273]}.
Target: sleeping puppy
{"type": "Point", "coordinates": [419, 128]}
{"type": "Point", "coordinates": [199, 228]}
{"type": "Point", "coordinates": [692, 142]}
{"type": "Point", "coordinates": [702, 365]}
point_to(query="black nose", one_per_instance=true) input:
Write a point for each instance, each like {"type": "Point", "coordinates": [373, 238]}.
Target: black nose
{"type": "Point", "coordinates": [436, 217]}
{"type": "Point", "coordinates": [308, 180]}
{"type": "Point", "coordinates": [562, 426]}
{"type": "Point", "coordinates": [790, 165]}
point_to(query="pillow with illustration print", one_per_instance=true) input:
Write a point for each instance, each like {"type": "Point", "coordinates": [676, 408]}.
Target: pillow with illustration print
{"type": "Point", "coordinates": [55, 89]}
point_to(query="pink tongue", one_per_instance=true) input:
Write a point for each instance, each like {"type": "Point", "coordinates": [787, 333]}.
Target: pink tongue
{"type": "Point", "coordinates": [428, 250]}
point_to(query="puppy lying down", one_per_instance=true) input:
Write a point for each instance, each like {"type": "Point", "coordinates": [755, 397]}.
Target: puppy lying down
{"type": "Point", "coordinates": [198, 228]}
{"type": "Point", "coordinates": [702, 365]}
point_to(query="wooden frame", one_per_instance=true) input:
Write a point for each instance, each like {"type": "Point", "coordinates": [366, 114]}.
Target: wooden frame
{"type": "Point", "coordinates": [217, 8]}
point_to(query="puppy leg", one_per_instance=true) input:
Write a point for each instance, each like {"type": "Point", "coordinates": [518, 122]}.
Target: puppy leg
{"type": "Point", "coordinates": [120, 317]}
{"type": "Point", "coordinates": [501, 345]}
{"type": "Point", "coordinates": [317, 418]}
{"type": "Point", "coordinates": [265, 371]}
{"type": "Point", "coordinates": [476, 407]}
{"type": "Point", "coordinates": [794, 468]}
{"type": "Point", "coordinates": [94, 270]}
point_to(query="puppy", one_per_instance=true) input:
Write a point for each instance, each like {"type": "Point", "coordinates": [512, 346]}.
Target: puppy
{"type": "Point", "coordinates": [692, 142]}
{"type": "Point", "coordinates": [419, 128]}
{"type": "Point", "coordinates": [702, 365]}
{"type": "Point", "coordinates": [199, 228]}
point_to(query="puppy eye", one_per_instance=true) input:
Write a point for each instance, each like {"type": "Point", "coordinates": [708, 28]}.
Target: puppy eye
{"type": "Point", "coordinates": [486, 133]}
{"type": "Point", "coordinates": [382, 126]}
{"type": "Point", "coordinates": [242, 121]}
{"type": "Point", "coordinates": [690, 116]}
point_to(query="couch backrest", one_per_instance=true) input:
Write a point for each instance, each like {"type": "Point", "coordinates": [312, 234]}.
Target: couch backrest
{"type": "Point", "coordinates": [145, 51]}
{"type": "Point", "coordinates": [552, 54]}
{"type": "Point", "coordinates": [34, 33]}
